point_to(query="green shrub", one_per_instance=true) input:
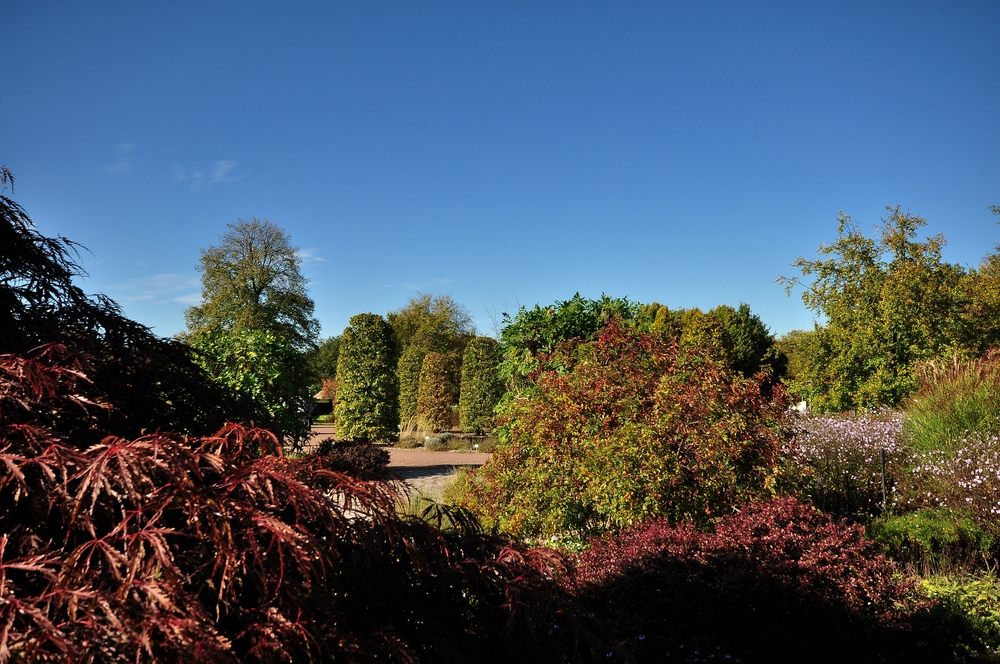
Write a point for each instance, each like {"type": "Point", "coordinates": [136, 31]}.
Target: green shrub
{"type": "Point", "coordinates": [631, 427]}
{"type": "Point", "coordinates": [436, 392]}
{"type": "Point", "coordinates": [367, 387]}
{"type": "Point", "coordinates": [482, 386]}
{"type": "Point", "coordinates": [956, 398]}
{"type": "Point", "coordinates": [970, 606]}
{"type": "Point", "coordinates": [265, 366]}
{"type": "Point", "coordinates": [408, 371]}
{"type": "Point", "coordinates": [933, 540]}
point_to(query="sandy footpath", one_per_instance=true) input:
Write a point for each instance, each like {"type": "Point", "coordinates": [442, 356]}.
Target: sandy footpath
{"type": "Point", "coordinates": [426, 472]}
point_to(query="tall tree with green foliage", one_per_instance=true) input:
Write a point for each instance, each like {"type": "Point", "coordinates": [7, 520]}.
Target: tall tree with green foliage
{"type": "Point", "coordinates": [251, 281]}
{"type": "Point", "coordinates": [885, 304]}
{"type": "Point", "coordinates": [367, 385]}
{"type": "Point", "coordinates": [255, 321]}
{"type": "Point", "coordinates": [749, 342]}
{"type": "Point", "coordinates": [482, 387]}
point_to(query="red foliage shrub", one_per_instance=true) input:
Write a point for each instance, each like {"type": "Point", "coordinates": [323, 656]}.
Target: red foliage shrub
{"type": "Point", "coordinates": [625, 428]}
{"type": "Point", "coordinates": [361, 458]}
{"type": "Point", "coordinates": [219, 549]}
{"type": "Point", "coordinates": [779, 581]}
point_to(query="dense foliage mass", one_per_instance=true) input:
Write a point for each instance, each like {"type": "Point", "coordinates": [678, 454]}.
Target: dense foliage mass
{"type": "Point", "coordinates": [408, 373]}
{"type": "Point", "coordinates": [628, 427]}
{"type": "Point", "coordinates": [737, 337]}
{"type": "Point", "coordinates": [251, 282]}
{"type": "Point", "coordinates": [264, 366]}
{"type": "Point", "coordinates": [887, 303]}
{"type": "Point", "coordinates": [219, 549]}
{"type": "Point", "coordinates": [322, 361]}
{"type": "Point", "coordinates": [482, 386]}
{"type": "Point", "coordinates": [777, 581]}
{"type": "Point", "coordinates": [428, 324]}
{"type": "Point", "coordinates": [367, 387]}
{"type": "Point", "coordinates": [436, 393]}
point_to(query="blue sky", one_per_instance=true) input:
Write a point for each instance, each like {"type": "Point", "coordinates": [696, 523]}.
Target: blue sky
{"type": "Point", "coordinates": [504, 153]}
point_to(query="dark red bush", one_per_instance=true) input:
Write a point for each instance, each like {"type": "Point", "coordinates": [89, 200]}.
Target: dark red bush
{"type": "Point", "coordinates": [359, 457]}
{"type": "Point", "coordinates": [217, 549]}
{"type": "Point", "coordinates": [778, 581]}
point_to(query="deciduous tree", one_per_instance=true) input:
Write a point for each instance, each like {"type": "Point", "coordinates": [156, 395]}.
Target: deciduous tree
{"type": "Point", "coordinates": [251, 281]}
{"type": "Point", "coordinates": [885, 303]}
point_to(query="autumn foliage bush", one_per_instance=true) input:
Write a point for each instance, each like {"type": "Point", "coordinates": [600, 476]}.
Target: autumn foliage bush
{"type": "Point", "coordinates": [360, 458]}
{"type": "Point", "coordinates": [776, 582]}
{"type": "Point", "coordinates": [216, 549]}
{"type": "Point", "coordinates": [624, 428]}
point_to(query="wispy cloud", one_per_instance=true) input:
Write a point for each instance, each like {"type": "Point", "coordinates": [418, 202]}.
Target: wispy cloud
{"type": "Point", "coordinates": [421, 287]}
{"type": "Point", "coordinates": [161, 288]}
{"type": "Point", "coordinates": [197, 179]}
{"type": "Point", "coordinates": [122, 165]}
{"type": "Point", "coordinates": [310, 256]}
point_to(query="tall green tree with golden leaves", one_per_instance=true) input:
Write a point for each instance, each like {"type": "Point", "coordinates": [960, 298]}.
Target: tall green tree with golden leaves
{"type": "Point", "coordinates": [885, 303]}
{"type": "Point", "coordinates": [251, 281]}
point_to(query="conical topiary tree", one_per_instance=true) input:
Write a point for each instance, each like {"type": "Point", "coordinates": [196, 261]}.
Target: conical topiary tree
{"type": "Point", "coordinates": [482, 386]}
{"type": "Point", "coordinates": [436, 393]}
{"type": "Point", "coordinates": [367, 386]}
{"type": "Point", "coordinates": [410, 363]}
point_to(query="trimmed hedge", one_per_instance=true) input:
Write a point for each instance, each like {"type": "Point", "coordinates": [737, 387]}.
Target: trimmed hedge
{"type": "Point", "coordinates": [482, 386]}
{"type": "Point", "coordinates": [436, 392]}
{"type": "Point", "coordinates": [408, 371]}
{"type": "Point", "coordinates": [367, 386]}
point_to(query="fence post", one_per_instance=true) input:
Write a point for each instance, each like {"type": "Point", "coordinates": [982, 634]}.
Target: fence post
{"type": "Point", "coordinates": [881, 461]}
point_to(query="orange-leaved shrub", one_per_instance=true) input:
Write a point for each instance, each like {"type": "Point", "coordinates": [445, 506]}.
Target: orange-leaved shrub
{"type": "Point", "coordinates": [778, 581]}
{"type": "Point", "coordinates": [623, 428]}
{"type": "Point", "coordinates": [220, 549]}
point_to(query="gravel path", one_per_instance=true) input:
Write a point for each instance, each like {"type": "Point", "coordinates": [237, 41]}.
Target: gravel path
{"type": "Point", "coordinates": [428, 473]}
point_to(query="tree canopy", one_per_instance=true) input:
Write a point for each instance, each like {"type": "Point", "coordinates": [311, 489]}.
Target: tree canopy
{"type": "Point", "coordinates": [885, 303]}
{"type": "Point", "coordinates": [150, 382]}
{"type": "Point", "coordinates": [251, 281]}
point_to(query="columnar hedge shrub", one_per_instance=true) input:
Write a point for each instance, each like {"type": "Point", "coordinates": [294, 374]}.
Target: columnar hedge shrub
{"type": "Point", "coordinates": [408, 371]}
{"type": "Point", "coordinates": [482, 386]}
{"type": "Point", "coordinates": [436, 392]}
{"type": "Point", "coordinates": [624, 428]}
{"type": "Point", "coordinates": [367, 386]}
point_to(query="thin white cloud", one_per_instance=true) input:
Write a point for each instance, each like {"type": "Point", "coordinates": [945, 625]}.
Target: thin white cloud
{"type": "Point", "coordinates": [160, 288]}
{"type": "Point", "coordinates": [310, 256]}
{"type": "Point", "coordinates": [424, 286]}
{"type": "Point", "coordinates": [221, 172]}
{"type": "Point", "coordinates": [123, 162]}
{"type": "Point", "coordinates": [197, 179]}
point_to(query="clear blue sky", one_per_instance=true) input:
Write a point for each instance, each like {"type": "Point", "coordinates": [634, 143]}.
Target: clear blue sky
{"type": "Point", "coordinates": [505, 153]}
